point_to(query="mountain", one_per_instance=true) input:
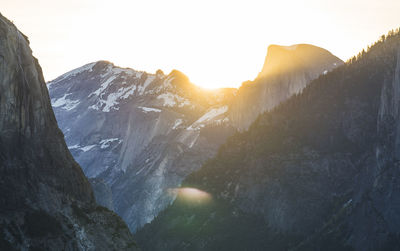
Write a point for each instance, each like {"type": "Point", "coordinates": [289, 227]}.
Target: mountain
{"type": "Point", "coordinates": [318, 172]}
{"type": "Point", "coordinates": [286, 71]}
{"type": "Point", "coordinates": [46, 201]}
{"type": "Point", "coordinates": [138, 135]}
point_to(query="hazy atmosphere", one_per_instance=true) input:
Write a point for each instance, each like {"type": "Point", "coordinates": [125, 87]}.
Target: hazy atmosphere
{"type": "Point", "coordinates": [215, 43]}
{"type": "Point", "coordinates": [117, 131]}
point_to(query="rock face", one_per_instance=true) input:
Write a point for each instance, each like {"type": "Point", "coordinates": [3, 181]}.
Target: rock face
{"type": "Point", "coordinates": [141, 134]}
{"type": "Point", "coordinates": [46, 201]}
{"type": "Point", "coordinates": [137, 135]}
{"type": "Point", "coordinates": [319, 172]}
{"type": "Point", "coordinates": [286, 71]}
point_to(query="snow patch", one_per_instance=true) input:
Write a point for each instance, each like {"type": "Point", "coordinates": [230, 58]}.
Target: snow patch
{"type": "Point", "coordinates": [213, 113]}
{"type": "Point", "coordinates": [171, 100]}
{"type": "Point", "coordinates": [94, 107]}
{"type": "Point", "coordinates": [127, 71]}
{"type": "Point", "coordinates": [64, 103]}
{"type": "Point", "coordinates": [168, 99]}
{"type": "Point", "coordinates": [106, 142]}
{"type": "Point", "coordinates": [194, 140]}
{"type": "Point", "coordinates": [149, 109]}
{"type": "Point", "coordinates": [112, 99]}
{"type": "Point", "coordinates": [103, 86]}
{"type": "Point", "coordinates": [208, 117]}
{"type": "Point", "coordinates": [82, 148]}
{"type": "Point", "coordinates": [128, 91]}
{"type": "Point", "coordinates": [87, 148]}
{"type": "Point", "coordinates": [178, 122]}
{"type": "Point", "coordinates": [110, 102]}
{"type": "Point", "coordinates": [73, 147]}
{"type": "Point", "coordinates": [146, 83]}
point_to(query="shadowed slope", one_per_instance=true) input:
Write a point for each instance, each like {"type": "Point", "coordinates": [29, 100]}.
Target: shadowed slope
{"type": "Point", "coordinates": [319, 172]}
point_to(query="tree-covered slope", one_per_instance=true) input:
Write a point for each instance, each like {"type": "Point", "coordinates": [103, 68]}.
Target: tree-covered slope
{"type": "Point", "coordinates": [319, 172]}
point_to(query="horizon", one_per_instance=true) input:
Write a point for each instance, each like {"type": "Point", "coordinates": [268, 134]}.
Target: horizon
{"type": "Point", "coordinates": [222, 50]}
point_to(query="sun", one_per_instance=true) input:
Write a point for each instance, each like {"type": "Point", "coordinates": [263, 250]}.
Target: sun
{"type": "Point", "coordinates": [215, 43]}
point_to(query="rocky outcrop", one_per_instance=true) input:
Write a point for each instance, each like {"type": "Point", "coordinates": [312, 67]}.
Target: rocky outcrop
{"type": "Point", "coordinates": [286, 71]}
{"type": "Point", "coordinates": [46, 201]}
{"type": "Point", "coordinates": [298, 58]}
{"type": "Point", "coordinates": [319, 172]}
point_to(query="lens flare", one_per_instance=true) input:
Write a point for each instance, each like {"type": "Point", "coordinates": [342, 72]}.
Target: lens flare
{"type": "Point", "coordinates": [191, 194]}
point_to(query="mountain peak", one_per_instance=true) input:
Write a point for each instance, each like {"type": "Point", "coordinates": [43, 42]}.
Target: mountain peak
{"type": "Point", "coordinates": [178, 75]}
{"type": "Point", "coordinates": [283, 59]}
{"type": "Point", "coordinates": [180, 80]}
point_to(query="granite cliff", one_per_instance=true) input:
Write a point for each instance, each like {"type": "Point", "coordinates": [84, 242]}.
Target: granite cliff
{"type": "Point", "coordinates": [46, 201]}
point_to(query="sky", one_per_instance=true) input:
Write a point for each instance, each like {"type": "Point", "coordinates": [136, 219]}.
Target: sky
{"type": "Point", "coordinates": [217, 43]}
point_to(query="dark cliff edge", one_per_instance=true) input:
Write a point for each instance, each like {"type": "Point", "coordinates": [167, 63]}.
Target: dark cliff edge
{"type": "Point", "coordinates": [46, 202]}
{"type": "Point", "coordinates": [319, 172]}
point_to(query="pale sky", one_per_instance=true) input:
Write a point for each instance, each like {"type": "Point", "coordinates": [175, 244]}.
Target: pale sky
{"type": "Point", "coordinates": [215, 43]}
